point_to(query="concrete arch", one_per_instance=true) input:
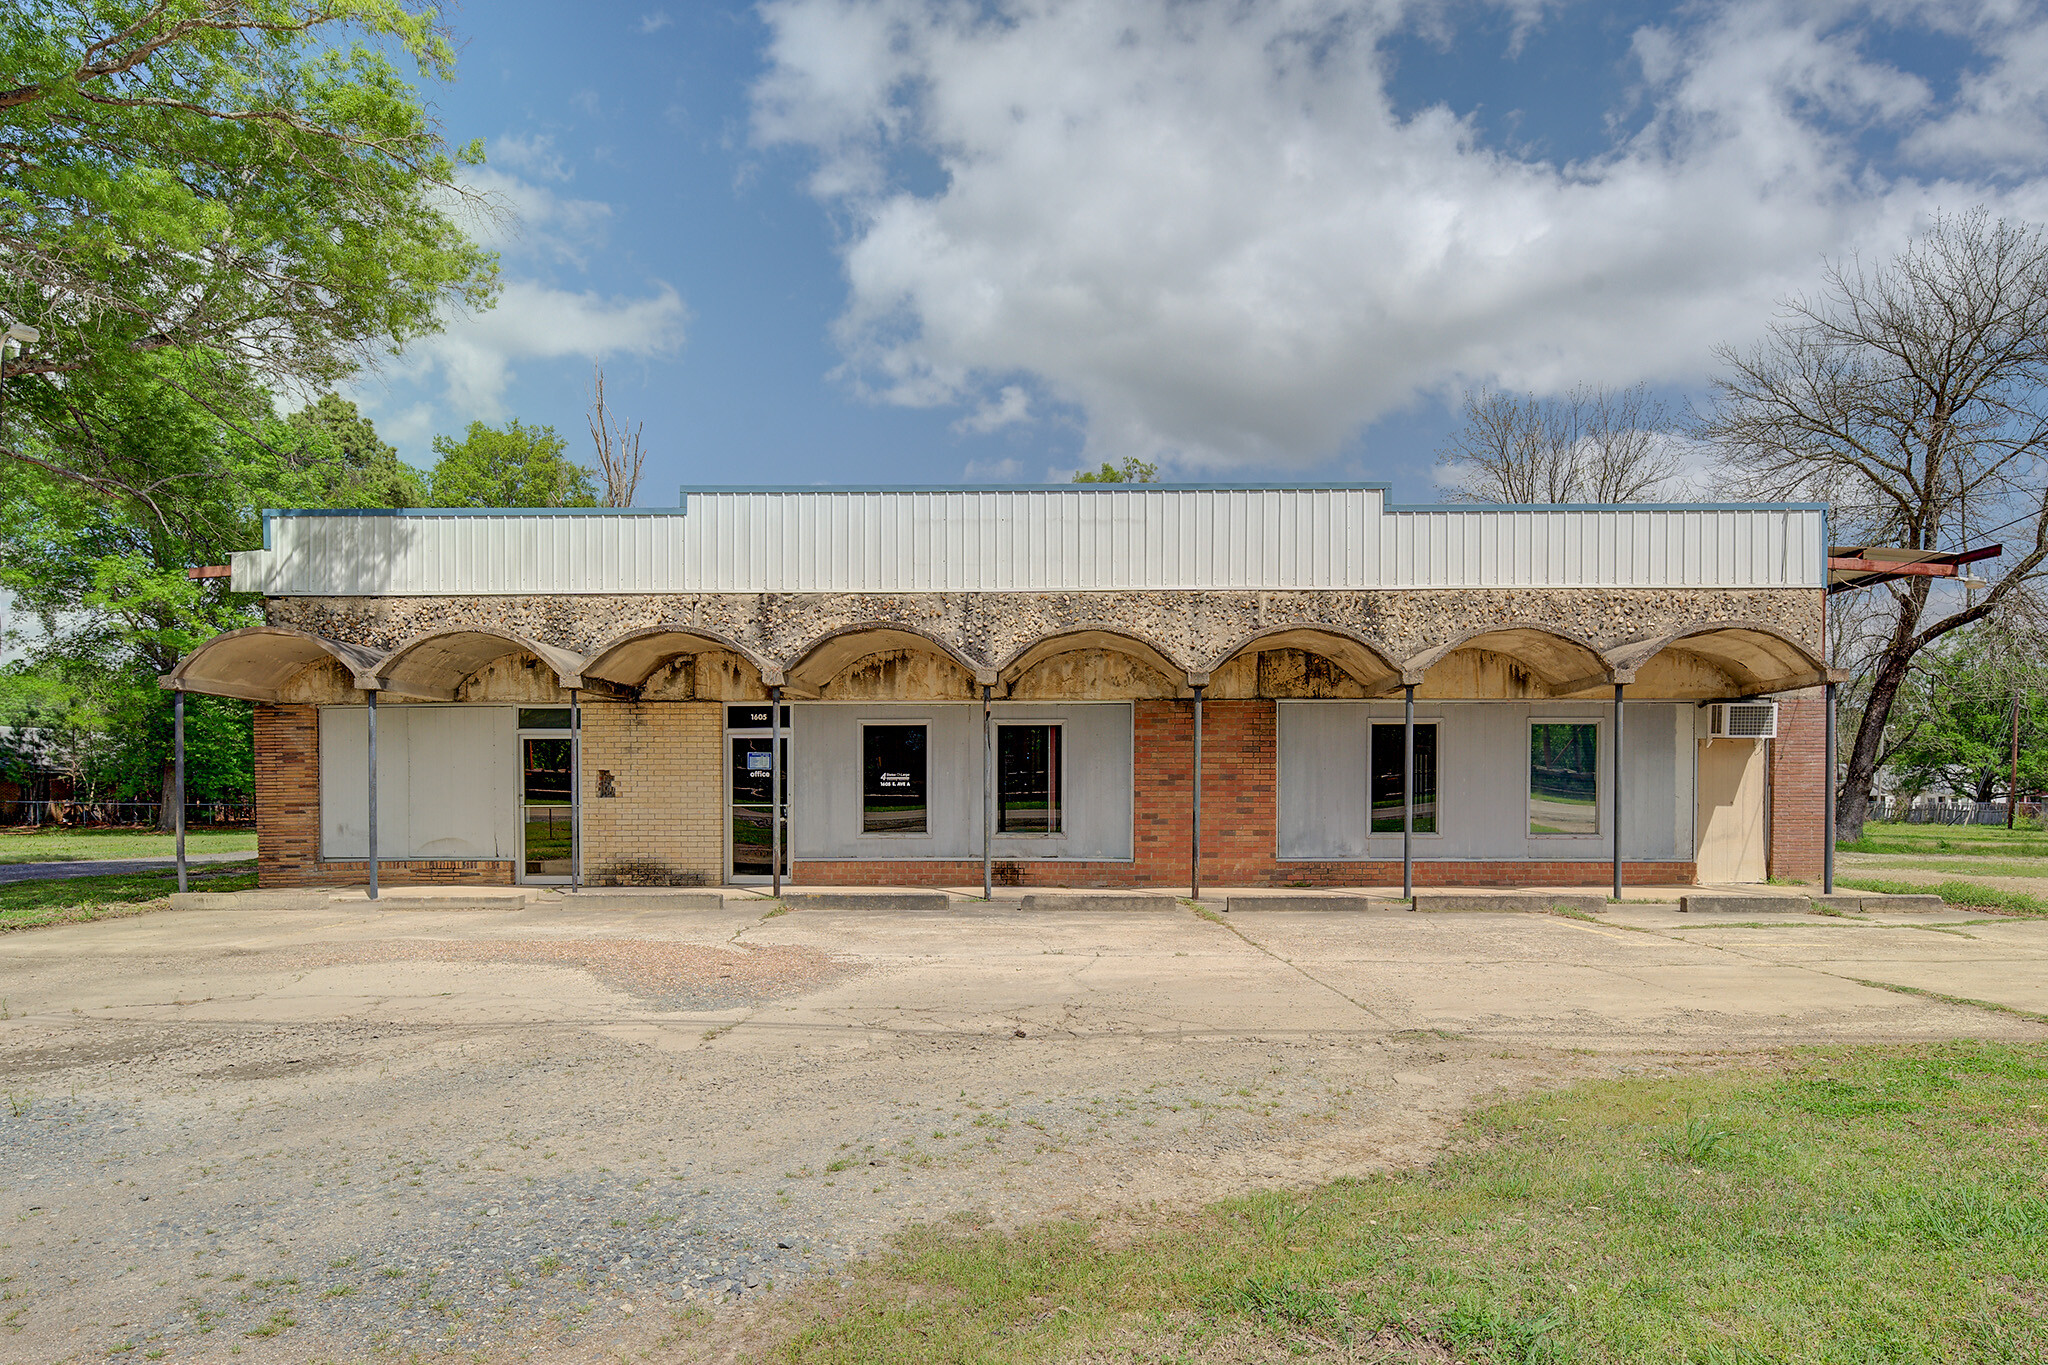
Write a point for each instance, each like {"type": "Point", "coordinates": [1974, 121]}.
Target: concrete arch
{"type": "Point", "coordinates": [630, 659]}
{"type": "Point", "coordinates": [432, 666]}
{"type": "Point", "coordinates": [1758, 657]}
{"type": "Point", "coordinates": [1562, 662]}
{"type": "Point", "coordinates": [823, 658]}
{"type": "Point", "coordinates": [255, 663]}
{"type": "Point", "coordinates": [1094, 635]}
{"type": "Point", "coordinates": [1363, 657]}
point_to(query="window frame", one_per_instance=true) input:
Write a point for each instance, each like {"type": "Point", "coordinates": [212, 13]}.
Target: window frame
{"type": "Point", "coordinates": [1373, 723]}
{"type": "Point", "coordinates": [923, 723]}
{"type": "Point", "coordinates": [1600, 764]}
{"type": "Point", "coordinates": [1061, 726]}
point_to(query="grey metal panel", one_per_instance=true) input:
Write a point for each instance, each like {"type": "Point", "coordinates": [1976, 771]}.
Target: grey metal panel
{"type": "Point", "coordinates": [1050, 540]}
{"type": "Point", "coordinates": [1483, 774]}
{"type": "Point", "coordinates": [447, 782]}
{"type": "Point", "coordinates": [825, 782]}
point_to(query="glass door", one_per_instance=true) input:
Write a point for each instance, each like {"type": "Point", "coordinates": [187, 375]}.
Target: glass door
{"type": "Point", "coordinates": [754, 806]}
{"type": "Point", "coordinates": [548, 833]}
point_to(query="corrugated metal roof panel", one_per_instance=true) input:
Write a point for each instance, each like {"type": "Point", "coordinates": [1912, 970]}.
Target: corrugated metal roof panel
{"type": "Point", "coordinates": [1031, 540]}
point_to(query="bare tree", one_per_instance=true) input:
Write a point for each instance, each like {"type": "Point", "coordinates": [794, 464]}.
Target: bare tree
{"type": "Point", "coordinates": [1588, 445]}
{"type": "Point", "coordinates": [619, 456]}
{"type": "Point", "coordinates": [1913, 396]}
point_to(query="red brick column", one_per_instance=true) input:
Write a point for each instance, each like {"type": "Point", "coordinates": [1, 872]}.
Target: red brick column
{"type": "Point", "coordinates": [1239, 793]}
{"type": "Point", "coordinates": [1799, 786]}
{"type": "Point", "coordinates": [1163, 784]}
{"type": "Point", "coordinates": [287, 793]}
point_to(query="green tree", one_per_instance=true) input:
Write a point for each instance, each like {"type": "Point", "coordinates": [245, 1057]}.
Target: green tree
{"type": "Point", "coordinates": [1953, 723]}
{"type": "Point", "coordinates": [343, 462]}
{"type": "Point", "coordinates": [247, 184]}
{"type": "Point", "coordinates": [1132, 470]}
{"type": "Point", "coordinates": [513, 466]}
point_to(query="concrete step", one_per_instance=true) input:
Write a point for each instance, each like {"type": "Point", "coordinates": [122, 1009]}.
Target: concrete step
{"type": "Point", "coordinates": [874, 902]}
{"type": "Point", "coordinates": [1878, 903]}
{"type": "Point", "coordinates": [1238, 905]}
{"type": "Point", "coordinates": [1756, 907]}
{"type": "Point", "coordinates": [653, 900]}
{"type": "Point", "coordinates": [1509, 902]}
{"type": "Point", "coordinates": [249, 900]}
{"type": "Point", "coordinates": [1084, 901]}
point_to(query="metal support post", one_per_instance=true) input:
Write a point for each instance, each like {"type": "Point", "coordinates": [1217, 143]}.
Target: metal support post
{"type": "Point", "coordinates": [1407, 794]}
{"type": "Point", "coordinates": [1827, 820]}
{"type": "Point", "coordinates": [775, 786]}
{"type": "Point", "coordinates": [1195, 849]}
{"type": "Point", "coordinates": [178, 777]}
{"type": "Point", "coordinates": [373, 794]}
{"type": "Point", "coordinates": [575, 790]}
{"type": "Point", "coordinates": [1614, 800]}
{"type": "Point", "coordinates": [988, 793]}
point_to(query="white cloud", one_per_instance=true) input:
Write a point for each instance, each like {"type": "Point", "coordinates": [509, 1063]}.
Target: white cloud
{"type": "Point", "coordinates": [1010, 406]}
{"type": "Point", "coordinates": [530, 219]}
{"type": "Point", "coordinates": [1202, 222]}
{"type": "Point", "coordinates": [655, 22]}
{"type": "Point", "coordinates": [474, 357]}
{"type": "Point", "coordinates": [991, 471]}
{"type": "Point", "coordinates": [535, 156]}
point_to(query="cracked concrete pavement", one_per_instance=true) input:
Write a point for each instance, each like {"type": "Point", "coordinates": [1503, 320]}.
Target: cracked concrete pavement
{"type": "Point", "coordinates": [307, 1134]}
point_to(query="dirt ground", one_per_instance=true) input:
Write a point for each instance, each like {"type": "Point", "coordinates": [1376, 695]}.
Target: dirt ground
{"type": "Point", "coordinates": [357, 1133]}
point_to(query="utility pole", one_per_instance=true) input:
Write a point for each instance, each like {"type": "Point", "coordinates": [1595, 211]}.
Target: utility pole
{"type": "Point", "coordinates": [2012, 793]}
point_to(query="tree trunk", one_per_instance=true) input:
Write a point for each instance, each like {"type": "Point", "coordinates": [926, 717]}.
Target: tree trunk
{"type": "Point", "coordinates": [167, 806]}
{"type": "Point", "coordinates": [1852, 802]}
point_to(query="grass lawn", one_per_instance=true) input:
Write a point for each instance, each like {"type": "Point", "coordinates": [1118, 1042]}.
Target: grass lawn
{"type": "Point", "coordinates": [85, 845]}
{"type": "Point", "coordinates": [73, 900]}
{"type": "Point", "coordinates": [1981, 841]}
{"type": "Point", "coordinates": [1873, 1204]}
{"type": "Point", "coordinates": [1964, 895]}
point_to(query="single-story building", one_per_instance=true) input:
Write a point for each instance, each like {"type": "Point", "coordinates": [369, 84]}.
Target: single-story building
{"type": "Point", "coordinates": [929, 686]}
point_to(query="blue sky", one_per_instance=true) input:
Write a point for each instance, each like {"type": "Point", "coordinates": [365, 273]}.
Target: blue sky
{"type": "Point", "coordinates": [851, 241]}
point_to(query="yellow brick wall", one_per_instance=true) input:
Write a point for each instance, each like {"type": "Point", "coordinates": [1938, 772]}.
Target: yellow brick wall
{"type": "Point", "coordinates": [664, 823]}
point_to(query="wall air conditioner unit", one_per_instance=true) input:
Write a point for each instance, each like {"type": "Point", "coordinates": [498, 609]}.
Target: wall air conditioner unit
{"type": "Point", "coordinates": [1744, 720]}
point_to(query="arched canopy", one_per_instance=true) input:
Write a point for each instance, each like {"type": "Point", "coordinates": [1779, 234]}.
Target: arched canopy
{"type": "Point", "coordinates": [1757, 658]}
{"type": "Point", "coordinates": [1563, 663]}
{"type": "Point", "coordinates": [630, 659]}
{"type": "Point", "coordinates": [1088, 636]}
{"type": "Point", "coordinates": [433, 666]}
{"type": "Point", "coordinates": [1363, 658]}
{"type": "Point", "coordinates": [254, 664]}
{"type": "Point", "coordinates": [824, 658]}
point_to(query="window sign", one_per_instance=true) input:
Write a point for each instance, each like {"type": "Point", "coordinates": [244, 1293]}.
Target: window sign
{"type": "Point", "coordinates": [761, 762]}
{"type": "Point", "coordinates": [893, 779]}
{"type": "Point", "coordinates": [1028, 779]}
{"type": "Point", "coordinates": [1564, 777]}
{"type": "Point", "coordinates": [1388, 744]}
{"type": "Point", "coordinates": [756, 717]}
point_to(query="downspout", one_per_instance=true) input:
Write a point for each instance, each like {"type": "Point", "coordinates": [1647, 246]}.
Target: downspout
{"type": "Point", "coordinates": [1195, 850]}
{"type": "Point", "coordinates": [575, 790]}
{"type": "Point", "coordinates": [988, 794]}
{"type": "Point", "coordinates": [178, 777]}
{"type": "Point", "coordinates": [373, 794]}
{"type": "Point", "coordinates": [1407, 794]}
{"type": "Point", "coordinates": [1615, 800]}
{"type": "Point", "coordinates": [775, 786]}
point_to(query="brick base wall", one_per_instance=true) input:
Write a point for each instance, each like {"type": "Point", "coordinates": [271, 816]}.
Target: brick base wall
{"type": "Point", "coordinates": [1799, 786]}
{"type": "Point", "coordinates": [1319, 875]}
{"type": "Point", "coordinates": [288, 817]}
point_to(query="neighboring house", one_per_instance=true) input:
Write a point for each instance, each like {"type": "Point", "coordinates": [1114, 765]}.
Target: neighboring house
{"type": "Point", "coordinates": [33, 775]}
{"type": "Point", "coordinates": [1059, 641]}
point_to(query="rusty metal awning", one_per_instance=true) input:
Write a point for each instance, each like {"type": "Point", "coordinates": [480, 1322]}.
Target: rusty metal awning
{"type": "Point", "coordinates": [1864, 566]}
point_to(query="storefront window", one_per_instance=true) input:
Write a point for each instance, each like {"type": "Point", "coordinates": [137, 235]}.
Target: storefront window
{"type": "Point", "coordinates": [1028, 779]}
{"type": "Point", "coordinates": [1388, 743]}
{"type": "Point", "coordinates": [893, 779]}
{"type": "Point", "coordinates": [1564, 777]}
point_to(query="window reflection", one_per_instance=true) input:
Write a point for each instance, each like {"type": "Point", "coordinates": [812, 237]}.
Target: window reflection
{"type": "Point", "coordinates": [1028, 779]}
{"type": "Point", "coordinates": [1387, 745]}
{"type": "Point", "coordinates": [893, 779]}
{"type": "Point", "coordinates": [1564, 778]}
